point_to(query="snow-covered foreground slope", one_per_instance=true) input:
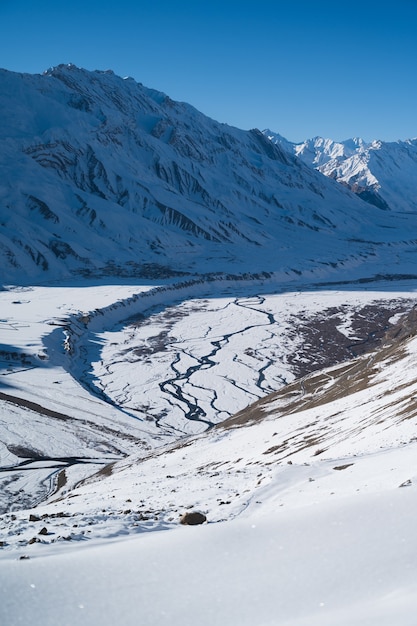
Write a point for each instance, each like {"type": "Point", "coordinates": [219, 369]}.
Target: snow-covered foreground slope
{"type": "Point", "coordinates": [309, 493]}
{"type": "Point", "coordinates": [348, 561]}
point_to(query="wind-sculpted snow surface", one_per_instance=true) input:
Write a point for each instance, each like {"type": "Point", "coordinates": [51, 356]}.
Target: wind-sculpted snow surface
{"type": "Point", "coordinates": [103, 176]}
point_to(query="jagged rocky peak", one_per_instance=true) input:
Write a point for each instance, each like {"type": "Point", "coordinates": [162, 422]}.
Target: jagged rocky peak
{"type": "Point", "coordinates": [55, 70]}
{"type": "Point", "coordinates": [319, 150]}
{"type": "Point", "coordinates": [381, 173]}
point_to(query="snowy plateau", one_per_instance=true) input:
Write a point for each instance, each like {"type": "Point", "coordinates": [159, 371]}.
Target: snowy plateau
{"type": "Point", "coordinates": [200, 319]}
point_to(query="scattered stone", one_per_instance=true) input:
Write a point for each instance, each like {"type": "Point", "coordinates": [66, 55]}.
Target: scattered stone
{"type": "Point", "coordinates": [59, 514]}
{"type": "Point", "coordinates": [34, 518]}
{"type": "Point", "coordinates": [192, 518]}
{"type": "Point", "coordinates": [33, 540]}
{"type": "Point", "coordinates": [24, 557]}
{"type": "Point", "coordinates": [343, 467]}
{"type": "Point", "coordinates": [407, 483]}
{"type": "Point", "coordinates": [43, 531]}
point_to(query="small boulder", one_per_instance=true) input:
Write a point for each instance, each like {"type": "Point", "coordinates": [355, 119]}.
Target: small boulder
{"type": "Point", "coordinates": [192, 518]}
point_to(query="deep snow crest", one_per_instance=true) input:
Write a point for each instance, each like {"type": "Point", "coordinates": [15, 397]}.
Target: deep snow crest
{"type": "Point", "coordinates": [340, 563]}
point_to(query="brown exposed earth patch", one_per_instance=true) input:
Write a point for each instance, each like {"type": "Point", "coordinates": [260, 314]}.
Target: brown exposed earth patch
{"type": "Point", "coordinates": [313, 390]}
{"type": "Point", "coordinates": [324, 344]}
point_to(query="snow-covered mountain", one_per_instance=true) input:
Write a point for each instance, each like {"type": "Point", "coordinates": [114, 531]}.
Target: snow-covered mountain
{"type": "Point", "coordinates": [102, 175]}
{"type": "Point", "coordinates": [271, 393]}
{"type": "Point", "coordinates": [382, 173]}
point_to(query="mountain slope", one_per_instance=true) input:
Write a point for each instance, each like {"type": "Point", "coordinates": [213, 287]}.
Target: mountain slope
{"type": "Point", "coordinates": [102, 175]}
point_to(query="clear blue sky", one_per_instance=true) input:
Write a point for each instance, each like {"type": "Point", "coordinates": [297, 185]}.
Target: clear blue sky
{"type": "Point", "coordinates": [300, 68]}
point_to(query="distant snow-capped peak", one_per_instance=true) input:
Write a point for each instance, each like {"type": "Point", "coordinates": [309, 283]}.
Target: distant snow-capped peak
{"type": "Point", "coordinates": [382, 173]}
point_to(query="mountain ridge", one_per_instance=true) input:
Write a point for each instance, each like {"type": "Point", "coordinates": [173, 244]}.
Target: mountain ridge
{"type": "Point", "coordinates": [103, 176]}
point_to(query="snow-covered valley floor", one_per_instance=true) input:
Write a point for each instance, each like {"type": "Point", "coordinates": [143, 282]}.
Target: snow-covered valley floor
{"type": "Point", "coordinates": [123, 406]}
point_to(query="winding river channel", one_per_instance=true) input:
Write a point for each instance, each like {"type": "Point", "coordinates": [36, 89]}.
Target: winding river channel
{"type": "Point", "coordinates": [189, 365]}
